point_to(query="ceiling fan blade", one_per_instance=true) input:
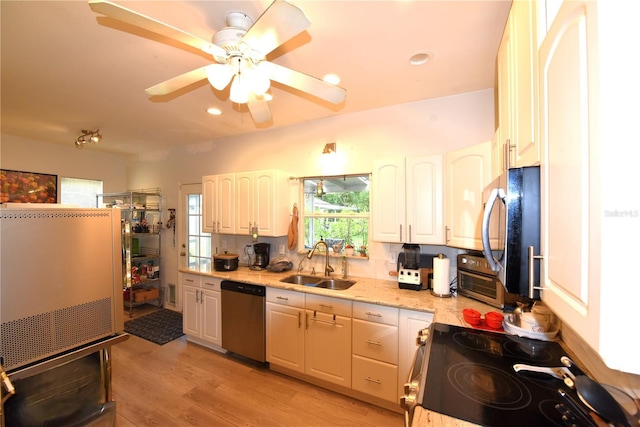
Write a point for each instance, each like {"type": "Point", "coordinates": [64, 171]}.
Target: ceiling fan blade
{"type": "Point", "coordinates": [305, 83]}
{"type": "Point", "coordinates": [129, 16]}
{"type": "Point", "coordinates": [178, 82]}
{"type": "Point", "coordinates": [279, 23]}
{"type": "Point", "coordinates": [259, 109]}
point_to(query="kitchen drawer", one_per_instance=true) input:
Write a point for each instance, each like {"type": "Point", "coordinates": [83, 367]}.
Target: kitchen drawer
{"type": "Point", "coordinates": [375, 340]}
{"type": "Point", "coordinates": [191, 279]}
{"type": "Point", "coordinates": [375, 378]}
{"type": "Point", "coordinates": [375, 313]}
{"type": "Point", "coordinates": [285, 297]}
{"type": "Point", "coordinates": [329, 305]}
{"type": "Point", "coordinates": [211, 283]}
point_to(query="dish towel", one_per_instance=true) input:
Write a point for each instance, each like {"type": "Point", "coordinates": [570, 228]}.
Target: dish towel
{"type": "Point", "coordinates": [293, 229]}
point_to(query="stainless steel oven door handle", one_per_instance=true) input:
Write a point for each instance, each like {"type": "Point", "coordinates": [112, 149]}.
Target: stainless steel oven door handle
{"type": "Point", "coordinates": [409, 400]}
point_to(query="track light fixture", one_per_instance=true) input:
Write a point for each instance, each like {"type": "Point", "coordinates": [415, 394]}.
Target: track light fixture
{"type": "Point", "coordinates": [92, 136]}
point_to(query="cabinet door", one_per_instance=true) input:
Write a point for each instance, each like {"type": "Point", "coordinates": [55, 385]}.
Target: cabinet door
{"type": "Point", "coordinates": [424, 212]}
{"type": "Point", "coordinates": [264, 184]}
{"type": "Point", "coordinates": [244, 203]}
{"type": "Point", "coordinates": [568, 188]}
{"type": "Point", "coordinates": [505, 64]}
{"type": "Point", "coordinates": [209, 203]}
{"type": "Point", "coordinates": [388, 200]}
{"type": "Point", "coordinates": [285, 336]}
{"type": "Point", "coordinates": [191, 310]}
{"type": "Point", "coordinates": [226, 204]}
{"type": "Point", "coordinates": [410, 322]}
{"type": "Point", "coordinates": [328, 347]}
{"type": "Point", "coordinates": [211, 307]}
{"type": "Point", "coordinates": [526, 149]}
{"type": "Point", "coordinates": [468, 171]}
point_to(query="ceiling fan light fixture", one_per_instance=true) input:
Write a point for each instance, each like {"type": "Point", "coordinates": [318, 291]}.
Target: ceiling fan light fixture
{"type": "Point", "coordinates": [219, 75]}
{"type": "Point", "coordinates": [239, 92]}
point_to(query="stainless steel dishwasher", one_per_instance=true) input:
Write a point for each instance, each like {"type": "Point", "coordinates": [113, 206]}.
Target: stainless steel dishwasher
{"type": "Point", "coordinates": [243, 319]}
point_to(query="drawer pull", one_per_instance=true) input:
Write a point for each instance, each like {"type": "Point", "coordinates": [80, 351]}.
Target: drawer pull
{"type": "Point", "coordinates": [378, 343]}
{"type": "Point", "coordinates": [326, 306]}
{"type": "Point", "coordinates": [371, 380]}
{"type": "Point", "coordinates": [282, 298]}
{"type": "Point", "coordinates": [188, 280]}
{"type": "Point", "coordinates": [368, 313]}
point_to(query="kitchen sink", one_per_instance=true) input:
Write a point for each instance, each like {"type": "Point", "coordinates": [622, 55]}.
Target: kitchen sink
{"type": "Point", "coordinates": [301, 279]}
{"type": "Point", "coordinates": [318, 282]}
{"type": "Point", "coordinates": [336, 284]}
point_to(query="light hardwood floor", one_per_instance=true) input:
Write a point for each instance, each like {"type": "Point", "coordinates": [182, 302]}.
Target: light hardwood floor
{"type": "Point", "coordinates": [183, 384]}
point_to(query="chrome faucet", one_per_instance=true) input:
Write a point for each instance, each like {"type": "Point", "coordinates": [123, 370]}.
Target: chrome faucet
{"type": "Point", "coordinates": [327, 268]}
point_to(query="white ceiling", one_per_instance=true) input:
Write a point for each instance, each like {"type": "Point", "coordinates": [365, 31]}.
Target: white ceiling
{"type": "Point", "coordinates": [66, 68]}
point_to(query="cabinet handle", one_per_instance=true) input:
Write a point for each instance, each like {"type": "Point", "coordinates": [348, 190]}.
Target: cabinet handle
{"type": "Point", "coordinates": [401, 232]}
{"type": "Point", "coordinates": [282, 298]}
{"type": "Point", "coordinates": [327, 322]}
{"type": "Point", "coordinates": [197, 292]}
{"type": "Point", "coordinates": [446, 234]}
{"type": "Point", "coordinates": [188, 280]}
{"type": "Point", "coordinates": [326, 306]}
{"type": "Point", "coordinates": [409, 237]}
{"type": "Point", "coordinates": [371, 380]}
{"type": "Point", "coordinates": [368, 313]}
{"type": "Point", "coordinates": [299, 319]}
{"type": "Point", "coordinates": [532, 287]}
{"type": "Point", "coordinates": [379, 344]}
{"type": "Point", "coordinates": [306, 320]}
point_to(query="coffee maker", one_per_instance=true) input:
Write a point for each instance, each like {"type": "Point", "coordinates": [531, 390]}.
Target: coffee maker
{"type": "Point", "coordinates": [261, 252]}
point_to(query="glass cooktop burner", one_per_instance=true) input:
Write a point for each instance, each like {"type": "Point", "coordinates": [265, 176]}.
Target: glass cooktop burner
{"type": "Point", "coordinates": [470, 376]}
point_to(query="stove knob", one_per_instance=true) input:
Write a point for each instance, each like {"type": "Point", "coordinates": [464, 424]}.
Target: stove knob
{"type": "Point", "coordinates": [408, 402]}
{"type": "Point", "coordinates": [410, 388]}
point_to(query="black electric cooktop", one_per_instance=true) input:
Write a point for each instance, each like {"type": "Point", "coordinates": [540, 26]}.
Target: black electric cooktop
{"type": "Point", "coordinates": [470, 376]}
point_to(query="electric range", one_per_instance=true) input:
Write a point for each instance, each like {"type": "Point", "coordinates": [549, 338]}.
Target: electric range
{"type": "Point", "coordinates": [468, 374]}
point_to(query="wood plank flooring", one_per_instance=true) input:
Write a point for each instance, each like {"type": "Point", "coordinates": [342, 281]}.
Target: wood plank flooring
{"type": "Point", "coordinates": [182, 384]}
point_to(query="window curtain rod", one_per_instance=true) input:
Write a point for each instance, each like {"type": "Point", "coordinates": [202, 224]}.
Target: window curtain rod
{"type": "Point", "coordinates": [343, 176]}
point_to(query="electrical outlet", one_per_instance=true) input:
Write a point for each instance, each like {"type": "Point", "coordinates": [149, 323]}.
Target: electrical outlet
{"type": "Point", "coordinates": [281, 250]}
{"type": "Point", "coordinates": [392, 257]}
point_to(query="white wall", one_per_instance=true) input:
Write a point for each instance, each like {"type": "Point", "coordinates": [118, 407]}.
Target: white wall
{"type": "Point", "coordinates": [425, 127]}
{"type": "Point", "coordinates": [22, 154]}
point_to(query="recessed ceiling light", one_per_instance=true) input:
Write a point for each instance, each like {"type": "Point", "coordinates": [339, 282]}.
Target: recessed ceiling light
{"type": "Point", "coordinates": [214, 111]}
{"type": "Point", "coordinates": [331, 78]}
{"type": "Point", "coordinates": [420, 58]}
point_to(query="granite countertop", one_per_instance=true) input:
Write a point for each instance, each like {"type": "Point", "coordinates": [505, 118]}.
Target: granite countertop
{"type": "Point", "coordinates": [375, 291]}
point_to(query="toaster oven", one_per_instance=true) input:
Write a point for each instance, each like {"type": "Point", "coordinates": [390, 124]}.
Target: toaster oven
{"type": "Point", "coordinates": [476, 280]}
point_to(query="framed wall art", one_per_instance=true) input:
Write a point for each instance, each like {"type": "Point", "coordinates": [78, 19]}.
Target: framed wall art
{"type": "Point", "coordinates": [27, 187]}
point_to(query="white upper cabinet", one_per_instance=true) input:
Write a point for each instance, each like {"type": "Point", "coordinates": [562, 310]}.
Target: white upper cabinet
{"type": "Point", "coordinates": [407, 200]}
{"type": "Point", "coordinates": [262, 201]}
{"type": "Point", "coordinates": [218, 203]}
{"type": "Point", "coordinates": [591, 217]}
{"type": "Point", "coordinates": [517, 87]}
{"type": "Point", "coordinates": [468, 172]}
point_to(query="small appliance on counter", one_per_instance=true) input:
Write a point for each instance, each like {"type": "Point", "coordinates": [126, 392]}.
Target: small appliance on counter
{"type": "Point", "coordinates": [225, 262]}
{"type": "Point", "coordinates": [261, 253]}
{"type": "Point", "coordinates": [414, 268]}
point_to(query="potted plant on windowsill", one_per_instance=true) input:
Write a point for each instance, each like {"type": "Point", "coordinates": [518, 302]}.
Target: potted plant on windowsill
{"type": "Point", "coordinates": [348, 249]}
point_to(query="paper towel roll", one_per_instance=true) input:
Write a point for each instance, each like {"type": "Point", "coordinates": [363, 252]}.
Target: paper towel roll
{"type": "Point", "coordinates": [441, 276]}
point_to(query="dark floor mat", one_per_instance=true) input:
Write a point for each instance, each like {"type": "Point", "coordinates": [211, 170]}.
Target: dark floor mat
{"type": "Point", "coordinates": [160, 327]}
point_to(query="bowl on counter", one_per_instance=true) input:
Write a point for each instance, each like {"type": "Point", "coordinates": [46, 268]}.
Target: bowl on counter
{"type": "Point", "coordinates": [493, 319]}
{"type": "Point", "coordinates": [471, 316]}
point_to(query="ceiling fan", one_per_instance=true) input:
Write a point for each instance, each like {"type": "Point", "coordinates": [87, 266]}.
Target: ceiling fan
{"type": "Point", "coordinates": [239, 51]}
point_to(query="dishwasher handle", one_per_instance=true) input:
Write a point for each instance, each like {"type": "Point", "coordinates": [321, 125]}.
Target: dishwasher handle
{"type": "Point", "coordinates": [244, 288]}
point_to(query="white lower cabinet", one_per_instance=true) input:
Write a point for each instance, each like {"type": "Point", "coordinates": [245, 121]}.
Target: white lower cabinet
{"type": "Point", "coordinates": [202, 310]}
{"type": "Point", "coordinates": [375, 350]}
{"type": "Point", "coordinates": [285, 329]}
{"type": "Point", "coordinates": [365, 347]}
{"type": "Point", "coordinates": [409, 323]}
{"type": "Point", "coordinates": [328, 339]}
